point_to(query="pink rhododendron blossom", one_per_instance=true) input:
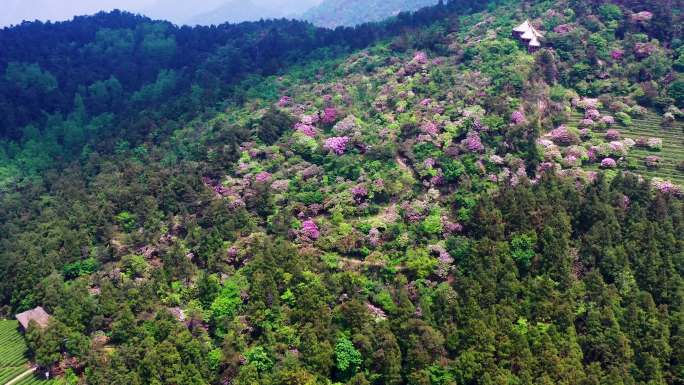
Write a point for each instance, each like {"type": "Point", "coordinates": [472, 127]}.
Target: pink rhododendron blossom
{"type": "Point", "coordinates": [496, 159]}
{"type": "Point", "coordinates": [345, 126]}
{"type": "Point", "coordinates": [284, 101]}
{"type": "Point", "coordinates": [425, 102]}
{"type": "Point", "coordinates": [359, 192]}
{"type": "Point", "coordinates": [617, 54]}
{"type": "Point", "coordinates": [310, 230]}
{"type": "Point", "coordinates": [608, 120]}
{"type": "Point", "coordinates": [517, 117]}
{"type": "Point", "coordinates": [306, 129]}
{"type": "Point", "coordinates": [337, 144]}
{"type": "Point", "coordinates": [666, 187]}
{"type": "Point", "coordinates": [281, 185]}
{"type": "Point", "coordinates": [428, 163]}
{"type": "Point", "coordinates": [374, 237]}
{"type": "Point", "coordinates": [586, 123]}
{"type": "Point", "coordinates": [329, 115]}
{"type": "Point", "coordinates": [592, 114]}
{"type": "Point", "coordinates": [642, 16]}
{"type": "Point", "coordinates": [472, 142]}
{"type": "Point", "coordinates": [562, 136]}
{"type": "Point", "coordinates": [571, 161]}
{"type": "Point", "coordinates": [420, 58]}
{"type": "Point", "coordinates": [655, 143]}
{"type": "Point", "coordinates": [612, 135]}
{"type": "Point", "coordinates": [652, 161]}
{"type": "Point", "coordinates": [429, 128]}
{"type": "Point", "coordinates": [263, 177]}
{"type": "Point", "coordinates": [232, 252]}
{"type": "Point", "coordinates": [608, 163]}
{"type": "Point", "coordinates": [309, 119]}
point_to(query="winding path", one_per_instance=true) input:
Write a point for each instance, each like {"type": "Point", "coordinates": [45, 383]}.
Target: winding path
{"type": "Point", "coordinates": [21, 376]}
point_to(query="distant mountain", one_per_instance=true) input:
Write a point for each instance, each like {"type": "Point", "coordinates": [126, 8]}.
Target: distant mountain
{"type": "Point", "coordinates": [334, 13]}
{"type": "Point", "coordinates": [235, 11]}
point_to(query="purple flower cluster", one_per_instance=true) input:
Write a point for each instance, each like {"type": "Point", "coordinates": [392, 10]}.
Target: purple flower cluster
{"type": "Point", "coordinates": [306, 129]}
{"type": "Point", "coordinates": [592, 114]}
{"type": "Point", "coordinates": [472, 142]}
{"type": "Point", "coordinates": [517, 117]}
{"type": "Point", "coordinates": [359, 192]}
{"type": "Point", "coordinates": [374, 237]}
{"type": "Point", "coordinates": [329, 115]}
{"type": "Point", "coordinates": [652, 161]}
{"type": "Point", "coordinates": [420, 58]}
{"type": "Point", "coordinates": [608, 163]}
{"type": "Point", "coordinates": [263, 177]}
{"type": "Point", "coordinates": [429, 128]}
{"type": "Point", "coordinates": [667, 187]}
{"type": "Point", "coordinates": [337, 144]}
{"type": "Point", "coordinates": [284, 101]}
{"type": "Point", "coordinates": [310, 230]}
{"type": "Point", "coordinates": [613, 135]}
{"type": "Point", "coordinates": [562, 136]}
{"type": "Point", "coordinates": [608, 120]}
{"type": "Point", "coordinates": [617, 54]}
{"type": "Point", "coordinates": [655, 143]}
{"type": "Point", "coordinates": [425, 102]}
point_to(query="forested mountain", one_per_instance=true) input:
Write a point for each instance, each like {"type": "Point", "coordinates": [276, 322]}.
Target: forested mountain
{"type": "Point", "coordinates": [335, 13]}
{"type": "Point", "coordinates": [425, 200]}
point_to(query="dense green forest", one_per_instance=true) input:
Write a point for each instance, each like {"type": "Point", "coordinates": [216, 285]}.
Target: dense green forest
{"type": "Point", "coordinates": [417, 201]}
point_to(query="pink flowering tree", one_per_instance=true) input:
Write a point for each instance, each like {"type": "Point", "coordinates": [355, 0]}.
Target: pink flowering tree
{"type": "Point", "coordinates": [329, 115]}
{"type": "Point", "coordinates": [608, 163]}
{"type": "Point", "coordinates": [337, 144]}
{"type": "Point", "coordinates": [517, 117]}
{"type": "Point", "coordinates": [309, 231]}
{"type": "Point", "coordinates": [306, 129]}
{"type": "Point", "coordinates": [472, 142]}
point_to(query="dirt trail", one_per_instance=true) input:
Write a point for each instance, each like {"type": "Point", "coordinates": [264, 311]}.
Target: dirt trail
{"type": "Point", "coordinates": [20, 377]}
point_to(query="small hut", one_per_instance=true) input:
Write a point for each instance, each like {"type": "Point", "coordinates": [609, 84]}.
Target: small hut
{"type": "Point", "coordinates": [529, 35]}
{"type": "Point", "coordinates": [38, 315]}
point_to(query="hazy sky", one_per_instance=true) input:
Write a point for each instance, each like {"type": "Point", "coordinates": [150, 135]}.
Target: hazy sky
{"type": "Point", "coordinates": [15, 11]}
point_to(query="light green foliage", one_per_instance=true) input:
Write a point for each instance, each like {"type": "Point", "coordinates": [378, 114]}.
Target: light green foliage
{"type": "Point", "coordinates": [347, 357]}
{"type": "Point", "coordinates": [432, 224]}
{"type": "Point", "coordinates": [610, 12]}
{"type": "Point", "coordinates": [127, 221]}
{"type": "Point", "coordinates": [420, 263]}
{"type": "Point", "coordinates": [258, 357]}
{"type": "Point", "coordinates": [227, 301]}
{"type": "Point", "coordinates": [135, 264]}
{"type": "Point", "coordinates": [522, 248]}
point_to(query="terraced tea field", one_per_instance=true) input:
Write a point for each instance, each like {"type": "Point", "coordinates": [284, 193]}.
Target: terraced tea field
{"type": "Point", "coordinates": [672, 153]}
{"type": "Point", "coordinates": [13, 361]}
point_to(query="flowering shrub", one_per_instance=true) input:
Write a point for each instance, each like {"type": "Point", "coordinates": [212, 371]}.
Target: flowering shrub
{"type": "Point", "coordinates": [618, 148]}
{"type": "Point", "coordinates": [612, 135]}
{"type": "Point", "coordinates": [281, 185]}
{"type": "Point", "coordinates": [309, 119]}
{"type": "Point", "coordinates": [587, 123]}
{"type": "Point", "coordinates": [652, 161]}
{"type": "Point", "coordinates": [592, 114]}
{"type": "Point", "coordinates": [420, 58]}
{"type": "Point", "coordinates": [345, 126]}
{"type": "Point", "coordinates": [263, 177]}
{"type": "Point", "coordinates": [655, 144]}
{"type": "Point", "coordinates": [608, 163]}
{"type": "Point", "coordinates": [666, 187]}
{"type": "Point", "coordinates": [472, 142]}
{"type": "Point", "coordinates": [608, 120]}
{"type": "Point", "coordinates": [359, 192]}
{"type": "Point", "coordinates": [429, 128]}
{"type": "Point", "coordinates": [425, 102]}
{"type": "Point", "coordinates": [563, 136]}
{"type": "Point", "coordinates": [336, 144]}
{"type": "Point", "coordinates": [517, 117]}
{"type": "Point", "coordinates": [617, 54]}
{"type": "Point", "coordinates": [496, 159]}
{"type": "Point", "coordinates": [309, 230]}
{"type": "Point", "coordinates": [306, 129]}
{"type": "Point", "coordinates": [571, 161]}
{"type": "Point", "coordinates": [284, 101]}
{"type": "Point", "coordinates": [329, 115]}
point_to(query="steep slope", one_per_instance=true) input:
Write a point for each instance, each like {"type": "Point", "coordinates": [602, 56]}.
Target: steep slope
{"type": "Point", "coordinates": [335, 13]}
{"type": "Point", "coordinates": [424, 210]}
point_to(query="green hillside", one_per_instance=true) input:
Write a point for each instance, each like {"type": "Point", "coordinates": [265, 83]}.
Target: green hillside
{"type": "Point", "coordinates": [428, 200]}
